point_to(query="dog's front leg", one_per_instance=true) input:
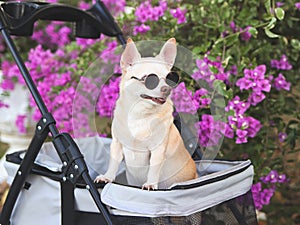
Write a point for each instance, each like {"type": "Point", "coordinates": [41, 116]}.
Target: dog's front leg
{"type": "Point", "coordinates": [116, 156]}
{"type": "Point", "coordinates": [156, 161]}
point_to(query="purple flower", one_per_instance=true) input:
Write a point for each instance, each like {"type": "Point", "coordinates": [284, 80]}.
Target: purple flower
{"type": "Point", "coordinates": [244, 127]}
{"type": "Point", "coordinates": [281, 64]}
{"type": "Point", "coordinates": [108, 97]}
{"type": "Point", "coordinates": [146, 12]}
{"type": "Point", "coordinates": [282, 137]}
{"type": "Point", "coordinates": [179, 14]}
{"type": "Point", "coordinates": [266, 196]}
{"type": "Point", "coordinates": [20, 123]}
{"type": "Point", "coordinates": [140, 29]}
{"type": "Point", "coordinates": [84, 5]}
{"type": "Point", "coordinates": [86, 42]}
{"type": "Point", "coordinates": [239, 107]}
{"type": "Point", "coordinates": [229, 132]}
{"type": "Point", "coordinates": [210, 131]}
{"type": "Point", "coordinates": [282, 178]}
{"type": "Point", "coordinates": [201, 98]}
{"type": "Point", "coordinates": [7, 85]}
{"type": "Point", "coordinates": [183, 99]}
{"type": "Point", "coordinates": [279, 4]}
{"type": "Point", "coordinates": [254, 126]}
{"type": "Point", "coordinates": [142, 12]}
{"type": "Point", "coordinates": [3, 105]}
{"type": "Point", "coordinates": [244, 83]}
{"type": "Point", "coordinates": [245, 34]}
{"type": "Point", "coordinates": [109, 55]}
{"type": "Point", "coordinates": [233, 70]}
{"type": "Point", "coordinates": [281, 83]}
{"type": "Point", "coordinates": [204, 71]}
{"type": "Point", "coordinates": [256, 97]}
{"type": "Point", "coordinates": [261, 196]}
{"type": "Point", "coordinates": [273, 177]}
{"type": "Point", "coordinates": [62, 79]}
{"type": "Point", "coordinates": [233, 27]}
{"type": "Point", "coordinates": [115, 6]}
{"type": "Point", "coordinates": [56, 34]}
{"type": "Point", "coordinates": [255, 80]}
{"type": "Point", "coordinates": [163, 4]}
{"type": "Point", "coordinates": [241, 136]}
{"type": "Point", "coordinates": [297, 5]}
{"type": "Point", "coordinates": [53, 78]}
{"type": "Point", "coordinates": [256, 190]}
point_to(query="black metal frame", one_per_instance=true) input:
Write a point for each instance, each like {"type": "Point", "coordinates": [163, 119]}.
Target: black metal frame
{"type": "Point", "coordinates": [17, 18]}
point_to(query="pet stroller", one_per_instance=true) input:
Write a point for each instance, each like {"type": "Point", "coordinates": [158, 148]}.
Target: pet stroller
{"type": "Point", "coordinates": [52, 182]}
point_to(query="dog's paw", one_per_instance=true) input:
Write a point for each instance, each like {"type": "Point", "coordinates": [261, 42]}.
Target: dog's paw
{"type": "Point", "coordinates": [149, 187]}
{"type": "Point", "coordinates": [101, 178]}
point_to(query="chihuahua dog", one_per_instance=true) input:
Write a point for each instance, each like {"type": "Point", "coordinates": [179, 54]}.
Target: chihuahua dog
{"type": "Point", "coordinates": [143, 133]}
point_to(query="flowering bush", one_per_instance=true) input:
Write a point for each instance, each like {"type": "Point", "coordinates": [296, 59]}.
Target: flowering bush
{"type": "Point", "coordinates": [246, 52]}
{"type": "Point", "coordinates": [262, 196]}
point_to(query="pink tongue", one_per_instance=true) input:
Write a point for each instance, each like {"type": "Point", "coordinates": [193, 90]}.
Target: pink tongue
{"type": "Point", "coordinates": [159, 100]}
{"type": "Point", "coordinates": [156, 100]}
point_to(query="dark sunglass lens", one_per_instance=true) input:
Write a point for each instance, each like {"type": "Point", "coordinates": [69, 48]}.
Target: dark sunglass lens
{"type": "Point", "coordinates": [172, 79]}
{"type": "Point", "coordinates": [151, 81]}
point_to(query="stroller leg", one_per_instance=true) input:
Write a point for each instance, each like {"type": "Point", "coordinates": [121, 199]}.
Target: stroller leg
{"type": "Point", "coordinates": [67, 203]}
{"type": "Point", "coordinates": [23, 172]}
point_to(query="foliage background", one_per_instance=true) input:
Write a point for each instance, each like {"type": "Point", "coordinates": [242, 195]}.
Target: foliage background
{"type": "Point", "coordinates": [230, 34]}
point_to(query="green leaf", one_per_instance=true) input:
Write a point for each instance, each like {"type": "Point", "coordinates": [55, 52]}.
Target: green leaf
{"type": "Point", "coordinates": [230, 94]}
{"type": "Point", "coordinates": [212, 58]}
{"type": "Point", "coordinates": [268, 5]}
{"type": "Point", "coordinates": [219, 102]}
{"type": "Point", "coordinates": [265, 171]}
{"type": "Point", "coordinates": [213, 69]}
{"type": "Point", "coordinates": [271, 24]}
{"type": "Point", "coordinates": [295, 44]}
{"type": "Point", "coordinates": [232, 39]}
{"type": "Point", "coordinates": [220, 88]}
{"type": "Point", "coordinates": [226, 61]}
{"type": "Point", "coordinates": [197, 50]}
{"type": "Point", "coordinates": [279, 12]}
{"type": "Point", "coordinates": [230, 113]}
{"type": "Point", "coordinates": [253, 31]}
{"type": "Point", "coordinates": [270, 34]}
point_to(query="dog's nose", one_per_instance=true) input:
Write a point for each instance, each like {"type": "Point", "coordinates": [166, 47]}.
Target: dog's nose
{"type": "Point", "coordinates": [165, 90]}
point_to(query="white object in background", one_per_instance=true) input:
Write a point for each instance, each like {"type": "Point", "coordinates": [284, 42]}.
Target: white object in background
{"type": "Point", "coordinates": [18, 101]}
{"type": "Point", "coordinates": [16, 143]}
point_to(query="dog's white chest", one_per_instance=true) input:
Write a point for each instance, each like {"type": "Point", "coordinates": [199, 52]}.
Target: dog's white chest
{"type": "Point", "coordinates": [141, 134]}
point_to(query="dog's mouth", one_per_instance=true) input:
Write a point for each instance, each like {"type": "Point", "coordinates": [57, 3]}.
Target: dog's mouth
{"type": "Point", "coordinates": [154, 99]}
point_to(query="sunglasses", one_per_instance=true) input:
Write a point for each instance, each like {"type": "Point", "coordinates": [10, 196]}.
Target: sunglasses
{"type": "Point", "coordinates": [151, 81]}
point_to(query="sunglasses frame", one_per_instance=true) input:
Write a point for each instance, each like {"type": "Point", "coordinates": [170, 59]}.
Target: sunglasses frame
{"type": "Point", "coordinates": [170, 83]}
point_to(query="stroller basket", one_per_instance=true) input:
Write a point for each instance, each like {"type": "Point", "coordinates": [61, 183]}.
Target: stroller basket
{"type": "Point", "coordinates": [221, 193]}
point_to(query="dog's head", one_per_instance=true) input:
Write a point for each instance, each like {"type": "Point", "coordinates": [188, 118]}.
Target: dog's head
{"type": "Point", "coordinates": [149, 78]}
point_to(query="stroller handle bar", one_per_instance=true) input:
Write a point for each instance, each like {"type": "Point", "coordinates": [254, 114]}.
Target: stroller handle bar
{"type": "Point", "coordinates": [19, 18]}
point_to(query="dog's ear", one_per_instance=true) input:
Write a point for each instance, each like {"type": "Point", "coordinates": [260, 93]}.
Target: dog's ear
{"type": "Point", "coordinates": [130, 54]}
{"type": "Point", "coordinates": [168, 52]}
